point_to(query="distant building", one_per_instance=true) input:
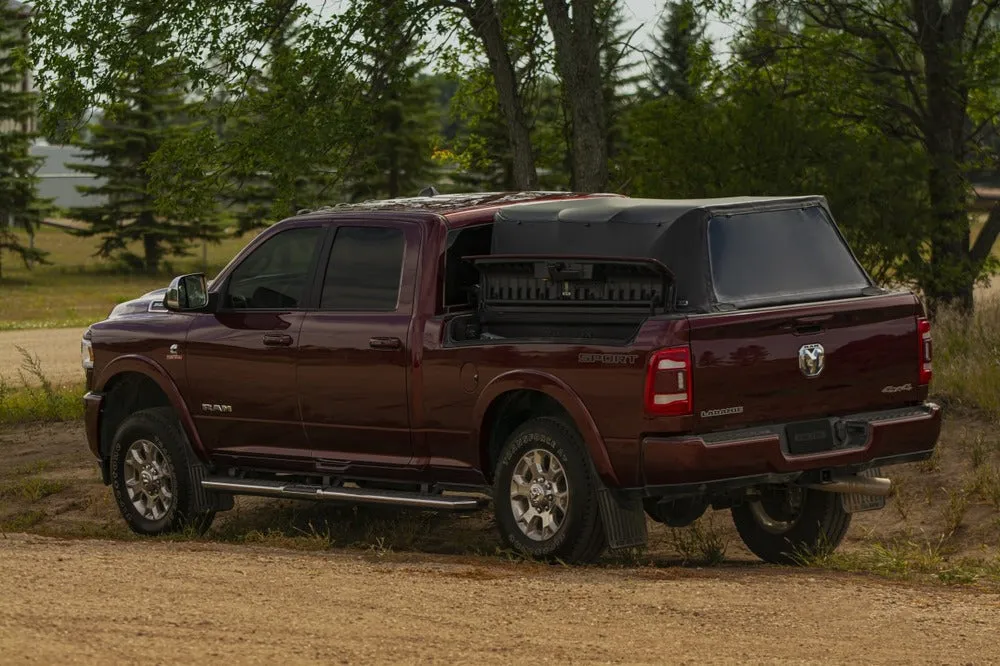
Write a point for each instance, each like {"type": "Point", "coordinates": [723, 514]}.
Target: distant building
{"type": "Point", "coordinates": [26, 84]}
{"type": "Point", "coordinates": [58, 182]}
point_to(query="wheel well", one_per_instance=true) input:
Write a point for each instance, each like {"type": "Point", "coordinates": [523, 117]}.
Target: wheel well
{"type": "Point", "coordinates": [127, 394]}
{"type": "Point", "coordinates": [507, 413]}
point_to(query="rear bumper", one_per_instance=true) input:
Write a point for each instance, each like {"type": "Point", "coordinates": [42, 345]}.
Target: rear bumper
{"type": "Point", "coordinates": [697, 464]}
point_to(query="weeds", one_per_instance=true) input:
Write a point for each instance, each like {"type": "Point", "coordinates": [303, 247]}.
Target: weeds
{"type": "Point", "coordinates": [37, 399]}
{"type": "Point", "coordinates": [958, 506]}
{"type": "Point", "coordinates": [967, 357]}
{"type": "Point", "coordinates": [31, 490]}
{"type": "Point", "coordinates": [703, 542]}
{"type": "Point", "coordinates": [22, 521]}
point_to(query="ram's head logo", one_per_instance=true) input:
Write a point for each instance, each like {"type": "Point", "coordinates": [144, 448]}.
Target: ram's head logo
{"type": "Point", "coordinates": [812, 360]}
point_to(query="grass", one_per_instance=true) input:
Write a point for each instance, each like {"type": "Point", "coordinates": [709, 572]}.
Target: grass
{"type": "Point", "coordinates": [967, 358]}
{"type": "Point", "coordinates": [79, 288]}
{"type": "Point", "coordinates": [907, 559]}
{"type": "Point", "coordinates": [36, 398]}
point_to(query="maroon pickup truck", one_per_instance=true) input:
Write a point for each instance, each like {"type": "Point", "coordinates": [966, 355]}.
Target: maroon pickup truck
{"type": "Point", "coordinates": [582, 361]}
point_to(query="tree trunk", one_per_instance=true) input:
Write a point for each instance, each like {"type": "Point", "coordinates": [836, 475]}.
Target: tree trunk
{"type": "Point", "coordinates": [578, 59]}
{"type": "Point", "coordinates": [482, 16]}
{"type": "Point", "coordinates": [953, 269]}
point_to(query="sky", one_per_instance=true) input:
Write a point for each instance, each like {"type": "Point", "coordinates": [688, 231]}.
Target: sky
{"type": "Point", "coordinates": [641, 14]}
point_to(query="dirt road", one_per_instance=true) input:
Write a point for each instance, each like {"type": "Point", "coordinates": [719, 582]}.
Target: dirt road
{"type": "Point", "coordinates": [94, 601]}
{"type": "Point", "coordinates": [58, 349]}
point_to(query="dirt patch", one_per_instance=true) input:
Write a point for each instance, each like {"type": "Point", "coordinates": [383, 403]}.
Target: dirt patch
{"type": "Point", "coordinates": [946, 509]}
{"type": "Point", "coordinates": [97, 601]}
{"type": "Point", "coordinates": [58, 349]}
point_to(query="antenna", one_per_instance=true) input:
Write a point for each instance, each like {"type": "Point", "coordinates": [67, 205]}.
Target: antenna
{"type": "Point", "coordinates": [429, 191]}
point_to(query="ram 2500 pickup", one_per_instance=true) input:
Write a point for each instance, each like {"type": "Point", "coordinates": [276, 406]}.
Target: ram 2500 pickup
{"type": "Point", "coordinates": [582, 361]}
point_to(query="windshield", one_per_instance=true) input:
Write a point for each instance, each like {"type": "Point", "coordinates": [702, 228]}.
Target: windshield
{"type": "Point", "coordinates": [770, 257]}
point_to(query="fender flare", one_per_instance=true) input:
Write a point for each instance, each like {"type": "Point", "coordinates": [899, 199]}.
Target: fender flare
{"type": "Point", "coordinates": [558, 390]}
{"type": "Point", "coordinates": [147, 367]}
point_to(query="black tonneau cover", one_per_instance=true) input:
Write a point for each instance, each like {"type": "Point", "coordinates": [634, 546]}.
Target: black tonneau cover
{"type": "Point", "coordinates": [674, 232]}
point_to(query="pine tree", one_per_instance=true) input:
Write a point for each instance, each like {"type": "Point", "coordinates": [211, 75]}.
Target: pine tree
{"type": "Point", "coordinates": [118, 150]}
{"type": "Point", "coordinates": [682, 56]}
{"type": "Point", "coordinates": [261, 193]}
{"type": "Point", "coordinates": [396, 155]}
{"type": "Point", "coordinates": [19, 202]}
{"type": "Point", "coordinates": [619, 70]}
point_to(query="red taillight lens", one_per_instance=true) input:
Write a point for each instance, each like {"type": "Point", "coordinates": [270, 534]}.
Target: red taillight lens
{"type": "Point", "coordinates": [668, 382]}
{"type": "Point", "coordinates": [924, 336]}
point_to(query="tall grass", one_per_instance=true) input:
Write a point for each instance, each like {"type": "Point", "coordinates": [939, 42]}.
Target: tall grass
{"type": "Point", "coordinates": [967, 358]}
{"type": "Point", "coordinates": [36, 398]}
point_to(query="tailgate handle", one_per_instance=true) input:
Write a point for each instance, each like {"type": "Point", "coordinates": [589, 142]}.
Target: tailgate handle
{"type": "Point", "coordinates": [806, 329]}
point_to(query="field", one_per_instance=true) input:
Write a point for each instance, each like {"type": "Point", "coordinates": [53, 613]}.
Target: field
{"type": "Point", "coordinates": [79, 288]}
{"type": "Point", "coordinates": [917, 582]}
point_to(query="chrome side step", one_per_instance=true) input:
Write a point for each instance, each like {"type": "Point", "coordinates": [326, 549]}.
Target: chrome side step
{"type": "Point", "coordinates": [287, 490]}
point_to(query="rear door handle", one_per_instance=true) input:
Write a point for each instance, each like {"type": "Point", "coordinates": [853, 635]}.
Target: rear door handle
{"type": "Point", "coordinates": [277, 340]}
{"type": "Point", "coordinates": [385, 343]}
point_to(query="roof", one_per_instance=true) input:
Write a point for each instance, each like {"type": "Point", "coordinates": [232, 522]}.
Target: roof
{"type": "Point", "coordinates": [460, 208]}
{"type": "Point", "coordinates": [602, 210]}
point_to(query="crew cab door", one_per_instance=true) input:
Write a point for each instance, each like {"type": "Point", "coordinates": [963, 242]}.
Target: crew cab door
{"type": "Point", "coordinates": [354, 352]}
{"type": "Point", "coordinates": [241, 359]}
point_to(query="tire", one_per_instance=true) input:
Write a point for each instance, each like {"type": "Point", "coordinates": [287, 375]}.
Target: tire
{"type": "Point", "coordinates": [154, 437]}
{"type": "Point", "coordinates": [567, 529]}
{"type": "Point", "coordinates": [780, 535]}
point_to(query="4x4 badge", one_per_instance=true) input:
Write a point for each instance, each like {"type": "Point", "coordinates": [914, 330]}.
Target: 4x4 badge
{"type": "Point", "coordinates": [174, 353]}
{"type": "Point", "coordinates": [812, 360]}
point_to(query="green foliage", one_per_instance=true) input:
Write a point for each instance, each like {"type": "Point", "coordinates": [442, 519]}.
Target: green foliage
{"type": "Point", "coordinates": [19, 202]}
{"type": "Point", "coordinates": [681, 63]}
{"type": "Point", "coordinates": [393, 156]}
{"type": "Point", "coordinates": [124, 151]}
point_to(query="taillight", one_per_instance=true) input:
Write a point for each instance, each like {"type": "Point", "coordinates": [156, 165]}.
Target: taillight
{"type": "Point", "coordinates": [668, 382]}
{"type": "Point", "coordinates": [924, 335]}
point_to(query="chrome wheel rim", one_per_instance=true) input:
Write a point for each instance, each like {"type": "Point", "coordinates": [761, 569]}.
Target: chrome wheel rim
{"type": "Point", "coordinates": [778, 512]}
{"type": "Point", "coordinates": [149, 479]}
{"type": "Point", "coordinates": [539, 495]}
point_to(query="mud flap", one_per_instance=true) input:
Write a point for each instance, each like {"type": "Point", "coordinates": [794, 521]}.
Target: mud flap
{"type": "Point", "coordinates": [624, 519]}
{"type": "Point", "coordinates": [854, 503]}
{"type": "Point", "coordinates": [207, 500]}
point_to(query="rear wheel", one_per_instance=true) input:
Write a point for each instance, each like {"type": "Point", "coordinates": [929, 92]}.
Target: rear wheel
{"type": "Point", "coordinates": [785, 523]}
{"type": "Point", "coordinates": [545, 494]}
{"type": "Point", "coordinates": [151, 475]}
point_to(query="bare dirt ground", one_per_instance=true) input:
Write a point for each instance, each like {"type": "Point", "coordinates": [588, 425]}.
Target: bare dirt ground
{"type": "Point", "coordinates": [92, 601]}
{"type": "Point", "coordinates": [58, 349]}
{"type": "Point", "coordinates": [311, 583]}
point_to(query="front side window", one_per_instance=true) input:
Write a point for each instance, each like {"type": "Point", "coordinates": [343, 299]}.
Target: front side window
{"type": "Point", "coordinates": [276, 274]}
{"type": "Point", "coordinates": [364, 271]}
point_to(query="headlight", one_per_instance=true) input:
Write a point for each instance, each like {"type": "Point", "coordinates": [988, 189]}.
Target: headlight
{"type": "Point", "coordinates": [87, 354]}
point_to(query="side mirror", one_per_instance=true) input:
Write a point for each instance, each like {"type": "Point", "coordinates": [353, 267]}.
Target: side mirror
{"type": "Point", "coordinates": [186, 293]}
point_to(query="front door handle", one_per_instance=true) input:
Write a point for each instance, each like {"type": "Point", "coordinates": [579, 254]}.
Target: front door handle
{"type": "Point", "coordinates": [385, 343]}
{"type": "Point", "coordinates": [277, 340]}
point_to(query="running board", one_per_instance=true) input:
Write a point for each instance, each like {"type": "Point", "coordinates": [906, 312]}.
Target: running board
{"type": "Point", "coordinates": [266, 488]}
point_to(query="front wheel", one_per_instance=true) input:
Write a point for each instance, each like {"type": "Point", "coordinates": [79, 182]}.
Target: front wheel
{"type": "Point", "coordinates": [785, 523]}
{"type": "Point", "coordinates": [151, 475]}
{"type": "Point", "coordinates": [545, 494]}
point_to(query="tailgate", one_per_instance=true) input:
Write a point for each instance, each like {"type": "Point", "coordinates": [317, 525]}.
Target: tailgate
{"type": "Point", "coordinates": [784, 364]}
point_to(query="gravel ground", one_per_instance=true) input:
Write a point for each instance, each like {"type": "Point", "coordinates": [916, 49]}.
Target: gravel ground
{"type": "Point", "coordinates": [81, 601]}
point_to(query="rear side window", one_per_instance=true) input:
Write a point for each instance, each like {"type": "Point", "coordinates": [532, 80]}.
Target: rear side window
{"type": "Point", "coordinates": [364, 271]}
{"type": "Point", "coordinates": [780, 257]}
